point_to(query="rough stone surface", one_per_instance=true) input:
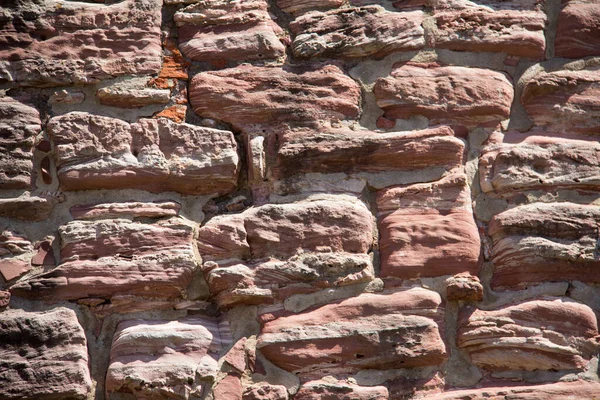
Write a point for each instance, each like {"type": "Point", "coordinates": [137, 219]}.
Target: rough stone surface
{"type": "Point", "coordinates": [470, 96]}
{"type": "Point", "coordinates": [26, 207]}
{"type": "Point", "coordinates": [19, 126]}
{"type": "Point", "coordinates": [132, 98]}
{"type": "Point", "coordinates": [545, 242]}
{"type": "Point", "coordinates": [301, 6]}
{"type": "Point", "coordinates": [578, 30]}
{"type": "Point", "coordinates": [230, 31]}
{"type": "Point", "coordinates": [125, 210]}
{"type": "Point", "coordinates": [265, 392]}
{"type": "Point", "coordinates": [544, 334]}
{"type": "Point", "coordinates": [261, 96]}
{"type": "Point", "coordinates": [95, 152]}
{"type": "Point", "coordinates": [163, 359]}
{"type": "Point", "coordinates": [356, 32]}
{"type": "Point", "coordinates": [368, 331]}
{"type": "Point", "coordinates": [318, 390]}
{"type": "Point", "coordinates": [428, 229]}
{"type": "Point", "coordinates": [44, 356]}
{"type": "Point", "coordinates": [55, 43]}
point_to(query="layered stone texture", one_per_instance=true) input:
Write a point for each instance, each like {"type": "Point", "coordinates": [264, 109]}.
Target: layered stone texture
{"type": "Point", "coordinates": [375, 331]}
{"type": "Point", "coordinates": [470, 96]}
{"type": "Point", "coordinates": [356, 32]}
{"type": "Point", "coordinates": [96, 152]}
{"type": "Point", "coordinates": [544, 242]}
{"type": "Point", "coordinates": [578, 29]}
{"type": "Point", "coordinates": [276, 250]}
{"type": "Point", "coordinates": [544, 334]}
{"type": "Point", "coordinates": [147, 259]}
{"type": "Point", "coordinates": [428, 229]}
{"type": "Point", "coordinates": [164, 359]}
{"type": "Point", "coordinates": [325, 389]}
{"type": "Point", "coordinates": [261, 97]}
{"type": "Point", "coordinates": [44, 355]}
{"type": "Point", "coordinates": [53, 43]}
{"type": "Point", "coordinates": [229, 31]}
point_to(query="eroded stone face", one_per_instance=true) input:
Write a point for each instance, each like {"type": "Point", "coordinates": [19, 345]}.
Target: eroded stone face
{"type": "Point", "coordinates": [150, 359]}
{"type": "Point", "coordinates": [314, 390]}
{"type": "Point", "coordinates": [54, 43]}
{"type": "Point", "coordinates": [376, 331]}
{"type": "Point", "coordinates": [578, 29]}
{"type": "Point", "coordinates": [356, 32]}
{"type": "Point", "coordinates": [96, 152]}
{"type": "Point", "coordinates": [544, 334]}
{"type": "Point", "coordinates": [44, 355]}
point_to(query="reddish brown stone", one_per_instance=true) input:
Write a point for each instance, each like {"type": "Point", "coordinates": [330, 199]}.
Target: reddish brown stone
{"type": "Point", "coordinates": [545, 334]}
{"type": "Point", "coordinates": [124, 97]}
{"type": "Point", "coordinates": [533, 162]}
{"type": "Point", "coordinates": [265, 392]}
{"type": "Point", "coordinates": [388, 330]}
{"type": "Point", "coordinates": [565, 100]}
{"type": "Point", "coordinates": [19, 126]}
{"type": "Point", "coordinates": [301, 6]}
{"type": "Point", "coordinates": [28, 208]}
{"type": "Point", "coordinates": [470, 96]}
{"type": "Point", "coordinates": [229, 388]}
{"type": "Point", "coordinates": [410, 388]}
{"type": "Point", "coordinates": [236, 356]}
{"type": "Point", "coordinates": [44, 356]}
{"type": "Point", "coordinates": [158, 209]}
{"type": "Point", "coordinates": [12, 268]}
{"type": "Point", "coordinates": [151, 358]}
{"type": "Point", "coordinates": [94, 152]}
{"type": "Point", "coordinates": [4, 298]}
{"type": "Point", "coordinates": [464, 287]}
{"type": "Point", "coordinates": [229, 31]}
{"type": "Point", "coordinates": [44, 255]}
{"type": "Point", "coordinates": [224, 237]}
{"type": "Point", "coordinates": [578, 29]}
{"type": "Point", "coordinates": [55, 44]}
{"type": "Point", "coordinates": [543, 242]}
{"type": "Point", "coordinates": [174, 65]}
{"type": "Point", "coordinates": [174, 113]}
{"type": "Point", "coordinates": [356, 32]}
{"type": "Point", "coordinates": [344, 150]}
{"type": "Point", "coordinates": [428, 229]}
{"type": "Point", "coordinates": [13, 244]}
{"type": "Point", "coordinates": [250, 97]}
{"type": "Point", "coordinates": [339, 390]}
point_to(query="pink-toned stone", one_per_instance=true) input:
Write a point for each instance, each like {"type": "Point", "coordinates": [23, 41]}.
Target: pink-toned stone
{"type": "Point", "coordinates": [470, 96]}
{"type": "Point", "coordinates": [108, 257]}
{"type": "Point", "coordinates": [229, 31]}
{"type": "Point", "coordinates": [95, 152]}
{"type": "Point", "coordinates": [560, 390]}
{"type": "Point", "coordinates": [544, 334]}
{"type": "Point", "coordinates": [339, 390]}
{"type": "Point", "coordinates": [44, 356]}
{"type": "Point", "coordinates": [543, 242]}
{"type": "Point", "coordinates": [265, 392]}
{"type": "Point", "coordinates": [512, 27]}
{"type": "Point", "coordinates": [124, 97]}
{"type": "Point", "coordinates": [4, 298]}
{"type": "Point", "coordinates": [14, 244]}
{"type": "Point", "coordinates": [356, 32]}
{"type": "Point", "coordinates": [464, 287]}
{"type": "Point", "coordinates": [578, 29]}
{"type": "Point", "coordinates": [564, 100]}
{"type": "Point", "coordinates": [44, 255]}
{"type": "Point", "coordinates": [55, 44]}
{"type": "Point", "coordinates": [395, 329]}
{"type": "Point", "coordinates": [229, 388]}
{"type": "Point", "coordinates": [404, 387]}
{"type": "Point", "coordinates": [301, 6]}
{"type": "Point", "coordinates": [224, 237]}
{"type": "Point", "coordinates": [158, 209]}
{"type": "Point", "coordinates": [12, 268]}
{"type": "Point", "coordinates": [533, 162]}
{"type": "Point", "coordinates": [428, 229]}
{"type": "Point", "coordinates": [158, 359]}
{"type": "Point", "coordinates": [236, 356]}
{"type": "Point", "coordinates": [19, 126]}
{"type": "Point", "coordinates": [255, 98]}
{"type": "Point", "coordinates": [344, 150]}
{"type": "Point", "coordinates": [26, 207]}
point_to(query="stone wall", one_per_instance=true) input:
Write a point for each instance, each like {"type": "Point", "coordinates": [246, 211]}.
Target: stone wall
{"type": "Point", "coordinates": [299, 199]}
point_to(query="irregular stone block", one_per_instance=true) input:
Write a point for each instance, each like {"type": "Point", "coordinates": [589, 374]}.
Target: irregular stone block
{"type": "Point", "coordinates": [464, 287]}
{"type": "Point", "coordinates": [4, 298]}
{"type": "Point", "coordinates": [515, 28]}
{"type": "Point", "coordinates": [265, 252]}
{"type": "Point", "coordinates": [566, 100]}
{"type": "Point", "coordinates": [13, 268]}
{"type": "Point", "coordinates": [542, 242]}
{"type": "Point", "coordinates": [44, 356]}
{"type": "Point", "coordinates": [297, 7]}
{"type": "Point", "coordinates": [350, 151]}
{"type": "Point", "coordinates": [339, 390]}
{"type": "Point", "coordinates": [108, 257]}
{"type": "Point", "coordinates": [54, 43]}
{"type": "Point", "coordinates": [250, 97]}
{"type": "Point", "coordinates": [357, 32]}
{"type": "Point", "coordinates": [163, 359]}
{"type": "Point", "coordinates": [229, 31]}
{"type": "Point", "coordinates": [395, 329]}
{"type": "Point", "coordinates": [520, 163]}
{"type": "Point", "coordinates": [158, 209]}
{"type": "Point", "coordinates": [428, 229]}
{"type": "Point", "coordinates": [545, 334]}
{"type": "Point", "coordinates": [265, 392]}
{"type": "Point", "coordinates": [229, 388]}
{"type": "Point", "coordinates": [28, 208]}
{"type": "Point", "coordinates": [578, 29]}
{"type": "Point", "coordinates": [470, 96]}
{"type": "Point", "coordinates": [13, 244]}
{"type": "Point", "coordinates": [95, 152]}
{"type": "Point", "coordinates": [19, 126]}
{"type": "Point", "coordinates": [132, 98]}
